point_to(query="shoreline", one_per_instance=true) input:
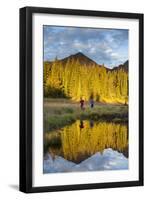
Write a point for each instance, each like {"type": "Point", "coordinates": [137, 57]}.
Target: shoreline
{"type": "Point", "coordinates": [58, 114]}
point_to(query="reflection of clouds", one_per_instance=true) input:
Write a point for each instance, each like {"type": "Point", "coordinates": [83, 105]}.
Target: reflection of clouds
{"type": "Point", "coordinates": [102, 45]}
{"type": "Point", "coordinates": [108, 160]}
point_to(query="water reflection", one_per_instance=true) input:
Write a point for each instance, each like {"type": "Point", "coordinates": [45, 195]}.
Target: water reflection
{"type": "Point", "coordinates": [82, 139]}
{"type": "Point", "coordinates": [91, 123]}
{"type": "Point", "coordinates": [81, 124]}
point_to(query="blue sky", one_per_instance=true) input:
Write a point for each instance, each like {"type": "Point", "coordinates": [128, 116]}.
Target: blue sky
{"type": "Point", "coordinates": [104, 46]}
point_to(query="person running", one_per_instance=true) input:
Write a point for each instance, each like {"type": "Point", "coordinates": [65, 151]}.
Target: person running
{"type": "Point", "coordinates": [91, 103]}
{"type": "Point", "coordinates": [82, 104]}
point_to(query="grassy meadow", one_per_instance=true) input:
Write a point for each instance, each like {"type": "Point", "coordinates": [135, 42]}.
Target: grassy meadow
{"type": "Point", "coordinates": [61, 112]}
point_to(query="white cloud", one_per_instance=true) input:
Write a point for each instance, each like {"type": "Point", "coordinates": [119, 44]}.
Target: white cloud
{"type": "Point", "coordinates": [115, 55]}
{"type": "Point", "coordinates": [92, 50]}
{"type": "Point", "coordinates": [102, 45]}
{"type": "Point", "coordinates": [108, 50]}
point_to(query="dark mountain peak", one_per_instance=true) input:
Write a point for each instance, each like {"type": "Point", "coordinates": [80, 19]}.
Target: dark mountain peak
{"type": "Point", "coordinates": [83, 59]}
{"type": "Point", "coordinates": [126, 64]}
{"type": "Point", "coordinates": [86, 61]}
{"type": "Point", "coordinates": [123, 66]}
{"type": "Point", "coordinates": [79, 54]}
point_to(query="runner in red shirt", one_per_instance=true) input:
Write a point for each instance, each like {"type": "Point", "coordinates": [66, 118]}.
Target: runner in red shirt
{"type": "Point", "coordinates": [82, 104]}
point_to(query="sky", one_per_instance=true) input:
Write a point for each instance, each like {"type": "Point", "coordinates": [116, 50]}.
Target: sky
{"type": "Point", "coordinates": [104, 46]}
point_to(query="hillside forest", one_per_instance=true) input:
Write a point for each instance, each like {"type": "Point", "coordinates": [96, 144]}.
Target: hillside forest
{"type": "Point", "coordinates": [78, 77]}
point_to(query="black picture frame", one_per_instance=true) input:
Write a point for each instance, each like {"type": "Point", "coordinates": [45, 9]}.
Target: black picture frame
{"type": "Point", "coordinates": [26, 104]}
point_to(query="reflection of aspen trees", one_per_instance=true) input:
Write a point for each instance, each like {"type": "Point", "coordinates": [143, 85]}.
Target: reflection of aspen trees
{"type": "Point", "coordinates": [77, 143]}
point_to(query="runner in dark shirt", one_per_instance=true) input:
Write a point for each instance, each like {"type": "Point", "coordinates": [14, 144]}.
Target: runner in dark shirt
{"type": "Point", "coordinates": [91, 103]}
{"type": "Point", "coordinates": [82, 104]}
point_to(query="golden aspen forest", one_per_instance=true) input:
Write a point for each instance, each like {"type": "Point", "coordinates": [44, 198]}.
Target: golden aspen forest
{"type": "Point", "coordinates": [73, 79]}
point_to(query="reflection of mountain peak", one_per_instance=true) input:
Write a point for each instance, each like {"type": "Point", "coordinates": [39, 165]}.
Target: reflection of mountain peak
{"type": "Point", "coordinates": [83, 59]}
{"type": "Point", "coordinates": [108, 160]}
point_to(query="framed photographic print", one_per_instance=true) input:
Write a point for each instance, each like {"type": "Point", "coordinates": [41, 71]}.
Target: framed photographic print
{"type": "Point", "coordinates": [81, 99]}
